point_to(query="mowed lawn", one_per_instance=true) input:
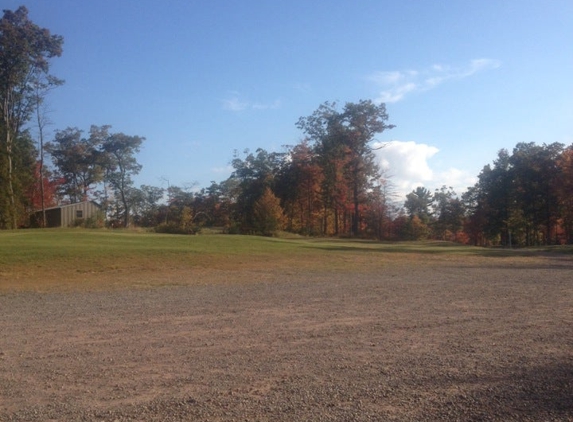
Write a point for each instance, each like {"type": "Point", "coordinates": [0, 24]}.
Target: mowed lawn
{"type": "Point", "coordinates": [40, 260]}
{"type": "Point", "coordinates": [53, 259]}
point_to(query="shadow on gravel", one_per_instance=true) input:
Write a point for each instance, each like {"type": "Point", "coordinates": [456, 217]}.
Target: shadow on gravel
{"type": "Point", "coordinates": [542, 393]}
{"type": "Point", "coordinates": [556, 264]}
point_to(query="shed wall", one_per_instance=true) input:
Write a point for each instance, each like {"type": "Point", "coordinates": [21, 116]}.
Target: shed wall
{"type": "Point", "coordinates": [69, 212]}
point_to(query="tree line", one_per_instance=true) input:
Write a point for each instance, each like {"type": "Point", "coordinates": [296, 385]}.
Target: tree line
{"type": "Point", "coordinates": [329, 184]}
{"type": "Point", "coordinates": [524, 198]}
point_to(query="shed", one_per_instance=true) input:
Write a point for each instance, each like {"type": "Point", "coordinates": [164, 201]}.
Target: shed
{"type": "Point", "coordinates": [66, 215]}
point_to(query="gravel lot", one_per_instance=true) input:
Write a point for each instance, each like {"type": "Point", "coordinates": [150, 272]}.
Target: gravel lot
{"type": "Point", "coordinates": [462, 339]}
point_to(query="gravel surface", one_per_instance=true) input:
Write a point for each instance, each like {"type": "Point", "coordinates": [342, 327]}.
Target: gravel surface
{"type": "Point", "coordinates": [459, 341]}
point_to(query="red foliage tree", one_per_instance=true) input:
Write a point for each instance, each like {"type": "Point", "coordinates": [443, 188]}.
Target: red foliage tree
{"type": "Point", "coordinates": [50, 190]}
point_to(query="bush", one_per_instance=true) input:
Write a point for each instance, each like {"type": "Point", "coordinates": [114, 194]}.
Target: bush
{"type": "Point", "coordinates": [233, 228]}
{"type": "Point", "coordinates": [174, 228]}
{"type": "Point", "coordinates": [96, 221]}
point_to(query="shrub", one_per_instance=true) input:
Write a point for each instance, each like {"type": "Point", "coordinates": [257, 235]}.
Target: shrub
{"type": "Point", "coordinates": [174, 228]}
{"type": "Point", "coordinates": [96, 221]}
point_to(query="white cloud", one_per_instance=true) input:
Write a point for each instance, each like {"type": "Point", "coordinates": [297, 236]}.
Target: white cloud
{"type": "Point", "coordinates": [459, 180]}
{"type": "Point", "coordinates": [272, 106]}
{"type": "Point", "coordinates": [408, 165]}
{"type": "Point", "coordinates": [396, 94]}
{"type": "Point", "coordinates": [236, 104]}
{"type": "Point", "coordinates": [397, 83]}
{"type": "Point", "coordinates": [483, 64]}
{"type": "Point", "coordinates": [393, 77]}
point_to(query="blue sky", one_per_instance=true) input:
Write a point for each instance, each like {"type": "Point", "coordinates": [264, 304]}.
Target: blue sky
{"type": "Point", "coordinates": [200, 79]}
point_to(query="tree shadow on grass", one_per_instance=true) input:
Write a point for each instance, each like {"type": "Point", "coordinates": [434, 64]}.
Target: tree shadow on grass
{"type": "Point", "coordinates": [435, 248]}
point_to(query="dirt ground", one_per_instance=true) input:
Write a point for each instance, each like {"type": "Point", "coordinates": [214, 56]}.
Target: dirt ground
{"type": "Point", "coordinates": [459, 339]}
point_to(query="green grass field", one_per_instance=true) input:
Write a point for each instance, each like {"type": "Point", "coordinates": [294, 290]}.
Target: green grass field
{"type": "Point", "coordinates": [29, 257]}
{"type": "Point", "coordinates": [33, 246]}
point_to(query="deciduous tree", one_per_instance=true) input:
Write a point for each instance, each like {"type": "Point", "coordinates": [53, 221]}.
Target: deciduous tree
{"type": "Point", "coordinates": [25, 53]}
{"type": "Point", "coordinates": [341, 139]}
{"type": "Point", "coordinates": [268, 215]}
{"type": "Point", "coordinates": [254, 174]}
{"type": "Point", "coordinates": [118, 158]}
{"type": "Point", "coordinates": [78, 162]}
{"type": "Point", "coordinates": [298, 186]}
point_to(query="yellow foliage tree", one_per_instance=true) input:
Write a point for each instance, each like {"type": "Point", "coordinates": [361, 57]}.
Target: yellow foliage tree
{"type": "Point", "coordinates": [187, 219]}
{"type": "Point", "coordinates": [417, 229]}
{"type": "Point", "coordinates": [268, 216]}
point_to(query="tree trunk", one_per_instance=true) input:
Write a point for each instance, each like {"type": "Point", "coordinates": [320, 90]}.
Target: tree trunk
{"type": "Point", "coordinates": [325, 220]}
{"type": "Point", "coordinates": [336, 228]}
{"type": "Point", "coordinates": [10, 176]}
{"type": "Point", "coordinates": [125, 209]}
{"type": "Point", "coordinates": [41, 136]}
{"type": "Point", "coordinates": [13, 212]}
{"type": "Point", "coordinates": [356, 214]}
